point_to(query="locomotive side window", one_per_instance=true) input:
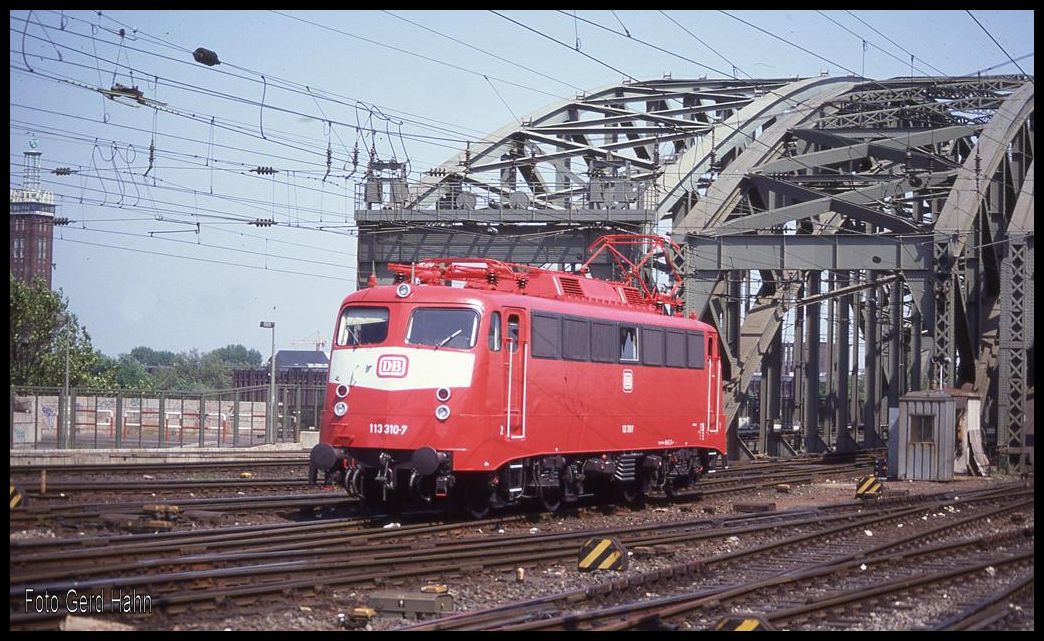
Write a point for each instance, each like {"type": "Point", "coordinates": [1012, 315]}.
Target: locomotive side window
{"type": "Point", "coordinates": [629, 344]}
{"type": "Point", "coordinates": [363, 326]}
{"type": "Point", "coordinates": [652, 346]}
{"type": "Point", "coordinates": [512, 332]}
{"type": "Point", "coordinates": [675, 356]}
{"type": "Point", "coordinates": [696, 353]}
{"type": "Point", "coordinates": [603, 342]}
{"type": "Point", "coordinates": [547, 337]}
{"type": "Point", "coordinates": [494, 332]}
{"type": "Point", "coordinates": [443, 327]}
{"type": "Point", "coordinates": [576, 339]}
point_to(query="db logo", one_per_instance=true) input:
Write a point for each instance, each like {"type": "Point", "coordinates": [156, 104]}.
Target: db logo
{"type": "Point", "coordinates": [392, 366]}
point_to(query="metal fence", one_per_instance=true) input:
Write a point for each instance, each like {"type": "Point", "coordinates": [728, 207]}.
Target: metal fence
{"type": "Point", "coordinates": [44, 417]}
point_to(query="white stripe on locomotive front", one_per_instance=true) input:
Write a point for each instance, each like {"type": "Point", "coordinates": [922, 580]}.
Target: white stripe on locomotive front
{"type": "Point", "coordinates": [428, 368]}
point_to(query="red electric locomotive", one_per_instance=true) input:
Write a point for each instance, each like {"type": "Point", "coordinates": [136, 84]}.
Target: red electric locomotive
{"type": "Point", "coordinates": [481, 383]}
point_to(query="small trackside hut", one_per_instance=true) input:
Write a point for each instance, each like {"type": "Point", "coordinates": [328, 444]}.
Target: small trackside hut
{"type": "Point", "coordinates": [478, 383]}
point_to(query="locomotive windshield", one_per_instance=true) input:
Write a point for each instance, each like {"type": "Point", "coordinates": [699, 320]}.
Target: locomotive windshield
{"type": "Point", "coordinates": [363, 326]}
{"type": "Point", "coordinates": [443, 327]}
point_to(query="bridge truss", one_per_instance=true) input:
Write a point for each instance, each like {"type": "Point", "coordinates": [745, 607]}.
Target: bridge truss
{"type": "Point", "coordinates": [852, 240]}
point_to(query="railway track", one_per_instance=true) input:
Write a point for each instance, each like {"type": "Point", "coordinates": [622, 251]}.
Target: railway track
{"type": "Point", "coordinates": [120, 468]}
{"type": "Point", "coordinates": [777, 565]}
{"type": "Point", "coordinates": [261, 566]}
{"type": "Point", "coordinates": [146, 486]}
{"type": "Point", "coordinates": [57, 506]}
{"type": "Point", "coordinates": [76, 514]}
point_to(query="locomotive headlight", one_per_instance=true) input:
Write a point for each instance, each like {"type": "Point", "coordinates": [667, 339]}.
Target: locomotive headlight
{"type": "Point", "coordinates": [443, 394]}
{"type": "Point", "coordinates": [341, 408]}
{"type": "Point", "coordinates": [442, 412]}
{"type": "Point", "coordinates": [341, 391]}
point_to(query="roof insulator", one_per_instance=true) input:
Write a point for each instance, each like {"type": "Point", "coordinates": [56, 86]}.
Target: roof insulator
{"type": "Point", "coordinates": [206, 56]}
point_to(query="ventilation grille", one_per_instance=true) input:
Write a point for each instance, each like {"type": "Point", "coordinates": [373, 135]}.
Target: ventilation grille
{"type": "Point", "coordinates": [626, 467]}
{"type": "Point", "coordinates": [571, 286]}
{"type": "Point", "coordinates": [632, 295]}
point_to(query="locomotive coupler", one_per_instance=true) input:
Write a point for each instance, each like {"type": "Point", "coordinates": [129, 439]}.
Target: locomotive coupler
{"type": "Point", "coordinates": [443, 483]}
{"type": "Point", "coordinates": [385, 476]}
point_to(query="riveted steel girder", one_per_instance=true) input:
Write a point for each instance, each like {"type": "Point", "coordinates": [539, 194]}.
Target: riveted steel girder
{"type": "Point", "coordinates": [625, 124]}
{"type": "Point", "coordinates": [911, 168]}
{"type": "Point", "coordinates": [894, 148]}
{"type": "Point", "coordinates": [853, 204]}
{"type": "Point", "coordinates": [959, 214]}
{"type": "Point", "coordinates": [773, 113]}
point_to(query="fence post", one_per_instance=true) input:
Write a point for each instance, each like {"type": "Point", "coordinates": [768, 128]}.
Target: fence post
{"type": "Point", "coordinates": [141, 418]}
{"type": "Point", "coordinates": [202, 418]}
{"type": "Point", "coordinates": [162, 421]}
{"type": "Point", "coordinates": [181, 423]}
{"type": "Point", "coordinates": [235, 421]}
{"type": "Point", "coordinates": [37, 430]}
{"type": "Point", "coordinates": [297, 412]}
{"type": "Point", "coordinates": [95, 421]}
{"type": "Point", "coordinates": [72, 417]}
{"type": "Point", "coordinates": [118, 419]}
{"type": "Point", "coordinates": [60, 430]}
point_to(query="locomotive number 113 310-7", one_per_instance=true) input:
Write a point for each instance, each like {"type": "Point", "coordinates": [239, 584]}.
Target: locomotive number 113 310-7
{"type": "Point", "coordinates": [393, 429]}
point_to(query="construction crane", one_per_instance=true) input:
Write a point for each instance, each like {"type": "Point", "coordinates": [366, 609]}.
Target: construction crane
{"type": "Point", "coordinates": [312, 339]}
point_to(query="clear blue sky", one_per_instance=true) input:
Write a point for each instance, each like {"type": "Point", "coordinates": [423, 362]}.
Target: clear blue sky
{"type": "Point", "coordinates": [132, 264]}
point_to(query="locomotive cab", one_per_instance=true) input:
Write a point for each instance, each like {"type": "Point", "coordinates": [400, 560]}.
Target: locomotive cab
{"type": "Point", "coordinates": [402, 379]}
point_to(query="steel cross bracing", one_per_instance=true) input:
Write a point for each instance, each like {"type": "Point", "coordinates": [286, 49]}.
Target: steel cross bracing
{"type": "Point", "coordinates": [889, 175]}
{"type": "Point", "coordinates": [886, 208]}
{"type": "Point", "coordinates": [564, 176]}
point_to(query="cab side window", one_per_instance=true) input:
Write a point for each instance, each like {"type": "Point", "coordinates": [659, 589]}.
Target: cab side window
{"type": "Point", "coordinates": [628, 344]}
{"type": "Point", "coordinates": [494, 332]}
{"type": "Point", "coordinates": [512, 332]}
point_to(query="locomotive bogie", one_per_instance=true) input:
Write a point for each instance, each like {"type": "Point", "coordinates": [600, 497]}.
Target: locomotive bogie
{"type": "Point", "coordinates": [391, 477]}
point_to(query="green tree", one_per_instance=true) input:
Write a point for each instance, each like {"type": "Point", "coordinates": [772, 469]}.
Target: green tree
{"type": "Point", "coordinates": [238, 356]}
{"type": "Point", "coordinates": [194, 372]}
{"type": "Point", "coordinates": [153, 358]}
{"type": "Point", "coordinates": [41, 329]}
{"type": "Point", "coordinates": [131, 374]}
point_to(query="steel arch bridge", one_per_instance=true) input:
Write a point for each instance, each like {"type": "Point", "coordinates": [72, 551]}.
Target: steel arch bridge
{"type": "Point", "coordinates": [894, 217]}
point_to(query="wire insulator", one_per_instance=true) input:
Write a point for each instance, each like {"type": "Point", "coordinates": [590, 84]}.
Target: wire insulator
{"type": "Point", "coordinates": [206, 57]}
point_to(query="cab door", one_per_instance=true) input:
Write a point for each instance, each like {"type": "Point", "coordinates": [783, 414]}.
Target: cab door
{"type": "Point", "coordinates": [516, 361]}
{"type": "Point", "coordinates": [713, 369]}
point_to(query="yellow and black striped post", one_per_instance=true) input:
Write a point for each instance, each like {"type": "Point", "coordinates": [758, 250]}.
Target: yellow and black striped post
{"type": "Point", "coordinates": [17, 497]}
{"type": "Point", "coordinates": [749, 623]}
{"type": "Point", "coordinates": [602, 553]}
{"type": "Point", "coordinates": [869, 487]}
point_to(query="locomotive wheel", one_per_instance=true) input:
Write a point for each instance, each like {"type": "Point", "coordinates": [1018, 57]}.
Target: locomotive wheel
{"type": "Point", "coordinates": [371, 493]}
{"type": "Point", "coordinates": [476, 500]}
{"type": "Point", "coordinates": [478, 511]}
{"type": "Point", "coordinates": [630, 493]}
{"type": "Point", "coordinates": [551, 500]}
